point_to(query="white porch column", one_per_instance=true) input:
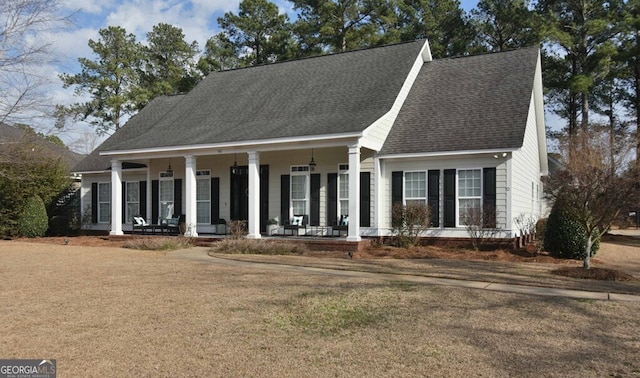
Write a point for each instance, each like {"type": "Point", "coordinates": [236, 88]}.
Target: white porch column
{"type": "Point", "coordinates": [254, 195]}
{"type": "Point", "coordinates": [191, 218]}
{"type": "Point", "coordinates": [354, 193]}
{"type": "Point", "coordinates": [116, 198]}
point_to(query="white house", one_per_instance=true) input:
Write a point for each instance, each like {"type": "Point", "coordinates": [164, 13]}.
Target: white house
{"type": "Point", "coordinates": [335, 135]}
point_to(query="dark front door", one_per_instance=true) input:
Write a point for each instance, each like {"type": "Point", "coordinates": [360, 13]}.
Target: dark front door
{"type": "Point", "coordinates": [240, 194]}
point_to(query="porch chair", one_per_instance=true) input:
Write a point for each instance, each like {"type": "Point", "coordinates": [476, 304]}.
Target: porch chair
{"type": "Point", "coordinates": [296, 223]}
{"type": "Point", "coordinates": [340, 225]}
{"type": "Point", "coordinates": [140, 224]}
{"type": "Point", "coordinates": [174, 224]}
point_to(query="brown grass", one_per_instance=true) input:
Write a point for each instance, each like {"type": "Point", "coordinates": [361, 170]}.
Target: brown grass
{"type": "Point", "coordinates": [106, 311]}
{"type": "Point", "coordinates": [602, 274]}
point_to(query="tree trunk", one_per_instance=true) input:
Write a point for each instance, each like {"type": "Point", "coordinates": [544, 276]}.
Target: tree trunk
{"type": "Point", "coordinates": [636, 72]}
{"type": "Point", "coordinates": [587, 259]}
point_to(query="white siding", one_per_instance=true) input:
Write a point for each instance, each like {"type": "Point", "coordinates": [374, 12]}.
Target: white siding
{"type": "Point", "coordinates": [453, 162]}
{"type": "Point", "coordinates": [526, 184]}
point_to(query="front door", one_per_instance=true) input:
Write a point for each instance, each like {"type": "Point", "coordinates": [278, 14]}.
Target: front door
{"type": "Point", "coordinates": [240, 194]}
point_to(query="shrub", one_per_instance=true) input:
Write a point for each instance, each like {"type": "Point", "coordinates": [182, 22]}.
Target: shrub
{"type": "Point", "coordinates": [257, 247]}
{"type": "Point", "coordinates": [409, 222]}
{"type": "Point", "coordinates": [160, 244]}
{"type": "Point", "coordinates": [58, 226]}
{"type": "Point", "coordinates": [565, 237]}
{"type": "Point", "coordinates": [33, 221]}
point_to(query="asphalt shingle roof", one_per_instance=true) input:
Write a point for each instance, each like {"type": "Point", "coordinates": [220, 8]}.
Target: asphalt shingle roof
{"type": "Point", "coordinates": [471, 103]}
{"type": "Point", "coordinates": [339, 93]}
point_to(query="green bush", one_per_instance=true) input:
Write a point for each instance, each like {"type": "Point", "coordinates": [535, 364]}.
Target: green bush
{"type": "Point", "coordinates": [58, 226]}
{"type": "Point", "coordinates": [565, 237]}
{"type": "Point", "coordinates": [33, 221]}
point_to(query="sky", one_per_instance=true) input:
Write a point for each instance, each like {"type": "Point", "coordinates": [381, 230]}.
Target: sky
{"type": "Point", "coordinates": [197, 19]}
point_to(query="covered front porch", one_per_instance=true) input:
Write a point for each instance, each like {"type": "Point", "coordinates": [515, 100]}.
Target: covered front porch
{"type": "Point", "coordinates": [292, 189]}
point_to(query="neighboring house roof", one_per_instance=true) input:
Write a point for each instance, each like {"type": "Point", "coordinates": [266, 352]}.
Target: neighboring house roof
{"type": "Point", "coordinates": [15, 135]}
{"type": "Point", "coordinates": [151, 114]}
{"type": "Point", "coordinates": [470, 103]}
{"type": "Point", "coordinates": [330, 94]}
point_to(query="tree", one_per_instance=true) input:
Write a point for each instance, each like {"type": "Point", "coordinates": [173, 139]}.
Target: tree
{"type": "Point", "coordinates": [219, 54]}
{"type": "Point", "coordinates": [505, 24]}
{"type": "Point", "coordinates": [169, 63]}
{"type": "Point", "coordinates": [445, 25]}
{"type": "Point", "coordinates": [112, 80]}
{"type": "Point", "coordinates": [22, 48]}
{"type": "Point", "coordinates": [629, 55]}
{"type": "Point", "coordinates": [588, 190]}
{"type": "Point", "coordinates": [27, 169]}
{"type": "Point", "coordinates": [258, 31]}
{"type": "Point", "coordinates": [580, 39]}
{"type": "Point", "coordinates": [338, 25]}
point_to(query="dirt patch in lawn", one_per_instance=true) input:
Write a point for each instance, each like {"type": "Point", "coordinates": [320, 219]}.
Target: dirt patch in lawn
{"type": "Point", "coordinates": [602, 274]}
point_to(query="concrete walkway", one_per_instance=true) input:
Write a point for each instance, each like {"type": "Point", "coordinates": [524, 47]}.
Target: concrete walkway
{"type": "Point", "coordinates": [200, 254]}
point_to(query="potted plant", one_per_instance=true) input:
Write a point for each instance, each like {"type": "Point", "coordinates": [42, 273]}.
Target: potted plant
{"type": "Point", "coordinates": [272, 226]}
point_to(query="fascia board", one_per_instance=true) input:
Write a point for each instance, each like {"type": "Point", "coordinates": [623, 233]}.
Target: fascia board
{"type": "Point", "coordinates": [447, 153]}
{"type": "Point", "coordinates": [248, 145]}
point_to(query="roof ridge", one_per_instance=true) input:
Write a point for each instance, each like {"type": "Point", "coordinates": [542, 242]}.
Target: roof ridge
{"type": "Point", "coordinates": [366, 48]}
{"type": "Point", "coordinates": [486, 53]}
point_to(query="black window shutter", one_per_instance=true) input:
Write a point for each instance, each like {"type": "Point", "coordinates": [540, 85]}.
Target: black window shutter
{"type": "Point", "coordinates": [434, 196]}
{"type": "Point", "coordinates": [284, 198]}
{"type": "Point", "coordinates": [314, 216]}
{"type": "Point", "coordinates": [155, 200]}
{"type": "Point", "coordinates": [365, 199]}
{"type": "Point", "coordinates": [94, 202]}
{"type": "Point", "coordinates": [332, 198]}
{"type": "Point", "coordinates": [215, 200]}
{"type": "Point", "coordinates": [123, 197]}
{"type": "Point", "coordinates": [143, 199]}
{"type": "Point", "coordinates": [489, 197]}
{"type": "Point", "coordinates": [177, 197]}
{"type": "Point", "coordinates": [264, 197]}
{"type": "Point", "coordinates": [396, 193]}
{"type": "Point", "coordinates": [449, 197]}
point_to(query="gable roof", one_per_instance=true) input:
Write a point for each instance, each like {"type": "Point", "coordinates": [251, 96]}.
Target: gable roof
{"type": "Point", "coordinates": [330, 94]}
{"type": "Point", "coordinates": [12, 134]}
{"type": "Point", "coordinates": [149, 115]}
{"type": "Point", "coordinates": [466, 104]}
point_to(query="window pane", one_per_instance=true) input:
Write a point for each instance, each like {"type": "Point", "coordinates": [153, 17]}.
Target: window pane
{"type": "Point", "coordinates": [104, 192]}
{"type": "Point", "coordinates": [415, 185]}
{"type": "Point", "coordinates": [469, 183]}
{"type": "Point", "coordinates": [166, 190]}
{"type": "Point", "coordinates": [132, 192]}
{"type": "Point", "coordinates": [103, 212]}
{"type": "Point", "coordinates": [344, 185]}
{"type": "Point", "coordinates": [203, 191]}
{"type": "Point", "coordinates": [203, 211]}
{"type": "Point", "coordinates": [299, 207]}
{"type": "Point", "coordinates": [298, 187]}
{"type": "Point", "coordinates": [133, 209]}
{"type": "Point", "coordinates": [470, 209]}
{"type": "Point", "coordinates": [344, 207]}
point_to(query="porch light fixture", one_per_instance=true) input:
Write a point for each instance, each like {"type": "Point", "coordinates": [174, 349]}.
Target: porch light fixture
{"type": "Point", "coordinates": [169, 169]}
{"type": "Point", "coordinates": [312, 163]}
{"type": "Point", "coordinates": [234, 169]}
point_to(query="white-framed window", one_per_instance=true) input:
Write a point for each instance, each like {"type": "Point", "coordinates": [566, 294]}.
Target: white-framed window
{"type": "Point", "coordinates": [299, 190]}
{"type": "Point", "coordinates": [133, 200]}
{"type": "Point", "coordinates": [469, 193]}
{"type": "Point", "coordinates": [165, 189]}
{"type": "Point", "coordinates": [415, 187]}
{"type": "Point", "coordinates": [104, 202]}
{"type": "Point", "coordinates": [203, 196]}
{"type": "Point", "coordinates": [343, 189]}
